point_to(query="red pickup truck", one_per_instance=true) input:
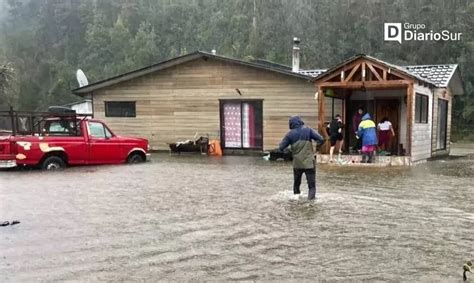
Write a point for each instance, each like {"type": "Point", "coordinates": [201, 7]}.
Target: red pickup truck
{"type": "Point", "coordinates": [56, 140]}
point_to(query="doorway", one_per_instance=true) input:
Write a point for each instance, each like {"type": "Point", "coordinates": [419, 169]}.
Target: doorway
{"type": "Point", "coordinates": [390, 109]}
{"type": "Point", "coordinates": [442, 124]}
{"type": "Point", "coordinates": [241, 124]}
{"type": "Point", "coordinates": [354, 104]}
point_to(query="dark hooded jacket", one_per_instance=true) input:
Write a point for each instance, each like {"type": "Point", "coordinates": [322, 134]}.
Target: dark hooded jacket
{"type": "Point", "coordinates": [299, 138]}
{"type": "Point", "coordinates": [367, 131]}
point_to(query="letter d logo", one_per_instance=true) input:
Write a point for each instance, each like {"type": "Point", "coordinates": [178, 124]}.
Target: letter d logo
{"type": "Point", "coordinates": [392, 32]}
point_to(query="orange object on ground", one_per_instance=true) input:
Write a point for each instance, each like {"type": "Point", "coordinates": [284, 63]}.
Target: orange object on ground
{"type": "Point", "coordinates": [215, 148]}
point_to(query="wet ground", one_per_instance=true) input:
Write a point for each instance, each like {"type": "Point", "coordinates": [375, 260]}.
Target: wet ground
{"type": "Point", "coordinates": [193, 217]}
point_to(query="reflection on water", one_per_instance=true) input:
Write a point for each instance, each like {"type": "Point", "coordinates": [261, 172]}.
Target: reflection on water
{"type": "Point", "coordinates": [192, 217]}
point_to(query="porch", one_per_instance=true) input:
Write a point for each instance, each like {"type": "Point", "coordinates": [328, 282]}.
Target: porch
{"type": "Point", "coordinates": [381, 90]}
{"type": "Point", "coordinates": [355, 160]}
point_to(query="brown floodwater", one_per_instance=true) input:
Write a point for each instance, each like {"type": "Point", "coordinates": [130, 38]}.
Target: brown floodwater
{"type": "Point", "coordinates": [231, 218]}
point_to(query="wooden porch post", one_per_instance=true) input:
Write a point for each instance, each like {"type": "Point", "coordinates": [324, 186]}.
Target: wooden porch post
{"type": "Point", "coordinates": [320, 108]}
{"type": "Point", "coordinates": [409, 117]}
{"type": "Point", "coordinates": [322, 131]}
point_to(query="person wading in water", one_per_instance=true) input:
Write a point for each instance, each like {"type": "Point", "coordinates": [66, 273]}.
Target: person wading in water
{"type": "Point", "coordinates": [300, 139]}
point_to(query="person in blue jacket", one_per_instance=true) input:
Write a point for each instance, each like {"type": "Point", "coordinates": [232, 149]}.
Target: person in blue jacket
{"type": "Point", "coordinates": [367, 131]}
{"type": "Point", "coordinates": [300, 139]}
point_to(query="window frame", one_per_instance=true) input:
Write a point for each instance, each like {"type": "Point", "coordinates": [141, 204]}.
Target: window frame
{"type": "Point", "coordinates": [333, 106]}
{"type": "Point", "coordinates": [107, 113]}
{"type": "Point", "coordinates": [419, 119]}
{"type": "Point", "coordinates": [74, 125]}
{"type": "Point", "coordinates": [222, 102]}
{"type": "Point", "coordinates": [104, 127]}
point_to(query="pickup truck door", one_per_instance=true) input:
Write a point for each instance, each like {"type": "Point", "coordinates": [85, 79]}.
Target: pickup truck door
{"type": "Point", "coordinates": [104, 148]}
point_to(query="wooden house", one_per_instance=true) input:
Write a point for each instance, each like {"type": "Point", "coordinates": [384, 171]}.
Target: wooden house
{"type": "Point", "coordinates": [246, 105]}
{"type": "Point", "coordinates": [416, 99]}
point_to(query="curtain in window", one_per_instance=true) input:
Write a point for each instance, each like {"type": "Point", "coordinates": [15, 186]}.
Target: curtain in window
{"type": "Point", "coordinates": [248, 127]}
{"type": "Point", "coordinates": [232, 125]}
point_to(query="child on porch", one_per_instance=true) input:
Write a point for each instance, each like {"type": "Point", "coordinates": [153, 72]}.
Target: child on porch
{"type": "Point", "coordinates": [335, 136]}
{"type": "Point", "coordinates": [385, 131]}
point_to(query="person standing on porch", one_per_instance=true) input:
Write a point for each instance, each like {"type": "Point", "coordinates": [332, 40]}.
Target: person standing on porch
{"type": "Point", "coordinates": [367, 131]}
{"type": "Point", "coordinates": [385, 131]}
{"type": "Point", "coordinates": [356, 119]}
{"type": "Point", "coordinates": [336, 136]}
{"type": "Point", "coordinates": [300, 139]}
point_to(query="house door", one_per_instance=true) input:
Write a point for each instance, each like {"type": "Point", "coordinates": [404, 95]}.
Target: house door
{"type": "Point", "coordinates": [389, 108]}
{"type": "Point", "coordinates": [241, 124]}
{"type": "Point", "coordinates": [442, 124]}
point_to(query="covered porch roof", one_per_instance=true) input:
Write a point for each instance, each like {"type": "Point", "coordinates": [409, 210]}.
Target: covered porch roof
{"type": "Point", "coordinates": [363, 71]}
{"type": "Point", "coordinates": [440, 75]}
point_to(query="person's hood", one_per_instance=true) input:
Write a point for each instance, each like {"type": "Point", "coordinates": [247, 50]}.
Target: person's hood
{"type": "Point", "coordinates": [366, 117]}
{"type": "Point", "coordinates": [295, 122]}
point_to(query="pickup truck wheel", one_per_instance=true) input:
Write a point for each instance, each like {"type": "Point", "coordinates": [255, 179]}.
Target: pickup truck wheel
{"type": "Point", "coordinates": [53, 163]}
{"type": "Point", "coordinates": [135, 158]}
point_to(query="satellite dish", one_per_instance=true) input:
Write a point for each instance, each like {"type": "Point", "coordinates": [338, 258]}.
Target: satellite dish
{"type": "Point", "coordinates": [81, 78]}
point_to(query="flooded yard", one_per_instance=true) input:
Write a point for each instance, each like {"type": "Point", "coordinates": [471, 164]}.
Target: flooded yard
{"type": "Point", "coordinates": [194, 217]}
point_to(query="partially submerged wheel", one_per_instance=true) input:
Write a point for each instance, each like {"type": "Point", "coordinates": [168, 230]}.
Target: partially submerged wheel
{"type": "Point", "coordinates": [53, 163]}
{"type": "Point", "coordinates": [135, 158]}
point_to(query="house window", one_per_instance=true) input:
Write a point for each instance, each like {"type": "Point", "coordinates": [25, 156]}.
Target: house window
{"type": "Point", "coordinates": [421, 108]}
{"type": "Point", "coordinates": [241, 124]}
{"type": "Point", "coordinates": [333, 106]}
{"type": "Point", "coordinates": [120, 109]}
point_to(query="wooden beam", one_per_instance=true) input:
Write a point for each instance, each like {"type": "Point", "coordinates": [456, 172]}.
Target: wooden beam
{"type": "Point", "coordinates": [384, 74]}
{"type": "Point", "coordinates": [367, 84]}
{"type": "Point", "coordinates": [320, 107]}
{"type": "Point", "coordinates": [392, 71]}
{"type": "Point", "coordinates": [351, 74]}
{"type": "Point", "coordinates": [363, 72]}
{"type": "Point", "coordinates": [321, 114]}
{"type": "Point", "coordinates": [374, 71]}
{"type": "Point", "coordinates": [410, 110]}
{"type": "Point", "coordinates": [338, 71]}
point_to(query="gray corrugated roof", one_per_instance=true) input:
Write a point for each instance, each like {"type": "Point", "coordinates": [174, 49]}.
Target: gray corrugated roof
{"type": "Point", "coordinates": [440, 75]}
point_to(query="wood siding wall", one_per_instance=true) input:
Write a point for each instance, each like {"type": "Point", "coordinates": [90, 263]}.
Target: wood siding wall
{"type": "Point", "coordinates": [175, 103]}
{"type": "Point", "coordinates": [441, 93]}
{"type": "Point", "coordinates": [421, 132]}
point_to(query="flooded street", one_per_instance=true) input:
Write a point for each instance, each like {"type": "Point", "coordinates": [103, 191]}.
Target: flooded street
{"type": "Point", "coordinates": [193, 217]}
